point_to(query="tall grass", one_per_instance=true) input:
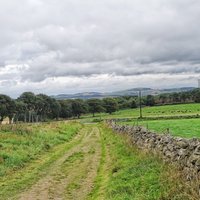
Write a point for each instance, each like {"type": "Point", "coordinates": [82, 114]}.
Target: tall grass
{"type": "Point", "coordinates": [19, 144]}
{"type": "Point", "coordinates": [139, 175]}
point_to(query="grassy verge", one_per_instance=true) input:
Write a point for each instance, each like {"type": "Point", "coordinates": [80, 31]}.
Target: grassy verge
{"type": "Point", "coordinates": [54, 137]}
{"type": "Point", "coordinates": [133, 174]}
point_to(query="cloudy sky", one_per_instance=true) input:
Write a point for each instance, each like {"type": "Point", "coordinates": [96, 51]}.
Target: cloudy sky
{"type": "Point", "coordinates": [69, 46]}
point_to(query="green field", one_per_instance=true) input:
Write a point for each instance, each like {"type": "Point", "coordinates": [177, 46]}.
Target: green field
{"type": "Point", "coordinates": [67, 160]}
{"type": "Point", "coordinates": [156, 111]}
{"type": "Point", "coordinates": [187, 128]}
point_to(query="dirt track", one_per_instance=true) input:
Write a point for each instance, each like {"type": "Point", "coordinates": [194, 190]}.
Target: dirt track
{"type": "Point", "coordinates": [71, 176]}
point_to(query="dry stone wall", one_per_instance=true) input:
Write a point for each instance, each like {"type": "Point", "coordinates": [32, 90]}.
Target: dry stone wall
{"type": "Point", "coordinates": [183, 152]}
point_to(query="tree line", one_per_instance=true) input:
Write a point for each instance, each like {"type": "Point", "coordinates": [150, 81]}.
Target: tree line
{"type": "Point", "coordinates": [29, 107]}
{"type": "Point", "coordinates": [192, 96]}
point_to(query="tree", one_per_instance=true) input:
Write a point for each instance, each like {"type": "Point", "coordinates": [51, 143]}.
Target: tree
{"type": "Point", "coordinates": [95, 106]}
{"type": "Point", "coordinates": [55, 109]}
{"type": "Point", "coordinates": [163, 98]}
{"type": "Point", "coordinates": [196, 96]}
{"type": "Point", "coordinates": [78, 107]}
{"type": "Point", "coordinates": [110, 105]}
{"type": "Point", "coordinates": [66, 109]}
{"type": "Point", "coordinates": [7, 107]}
{"type": "Point", "coordinates": [11, 110]}
{"type": "Point", "coordinates": [122, 102]}
{"type": "Point", "coordinates": [133, 104]}
{"type": "Point", "coordinates": [29, 99]}
{"type": "Point", "coordinates": [150, 101]}
{"type": "Point", "coordinates": [43, 106]}
{"type": "Point", "coordinates": [21, 109]}
{"type": "Point", "coordinates": [175, 97]}
{"type": "Point", "coordinates": [183, 96]}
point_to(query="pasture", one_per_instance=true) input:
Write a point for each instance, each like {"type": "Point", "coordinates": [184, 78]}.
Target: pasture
{"type": "Point", "coordinates": [181, 120]}
{"type": "Point", "coordinates": [187, 128]}
{"type": "Point", "coordinates": [155, 111]}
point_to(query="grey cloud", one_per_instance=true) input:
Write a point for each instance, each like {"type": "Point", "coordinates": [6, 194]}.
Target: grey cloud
{"type": "Point", "coordinates": [85, 38]}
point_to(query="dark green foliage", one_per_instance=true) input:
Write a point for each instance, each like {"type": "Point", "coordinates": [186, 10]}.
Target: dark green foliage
{"type": "Point", "coordinates": [20, 111]}
{"type": "Point", "coordinates": [110, 105]}
{"type": "Point", "coordinates": [150, 101]}
{"type": "Point", "coordinates": [66, 109]}
{"type": "Point", "coordinates": [95, 106]}
{"type": "Point", "coordinates": [7, 107]}
{"type": "Point", "coordinates": [29, 99]}
{"type": "Point", "coordinates": [126, 102]}
{"type": "Point", "coordinates": [43, 105]}
{"type": "Point", "coordinates": [196, 96]}
{"type": "Point", "coordinates": [178, 97]}
{"type": "Point", "coordinates": [34, 108]}
{"type": "Point", "coordinates": [133, 104]}
{"type": "Point", "coordinates": [55, 109]}
{"type": "Point", "coordinates": [163, 98]}
{"type": "Point", "coordinates": [79, 107]}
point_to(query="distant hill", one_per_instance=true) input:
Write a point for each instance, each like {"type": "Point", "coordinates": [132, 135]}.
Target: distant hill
{"type": "Point", "coordinates": [129, 92]}
{"type": "Point", "coordinates": [149, 91]}
{"type": "Point", "coordinates": [84, 95]}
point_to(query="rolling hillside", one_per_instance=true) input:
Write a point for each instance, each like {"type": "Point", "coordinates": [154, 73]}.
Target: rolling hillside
{"type": "Point", "coordinates": [129, 92]}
